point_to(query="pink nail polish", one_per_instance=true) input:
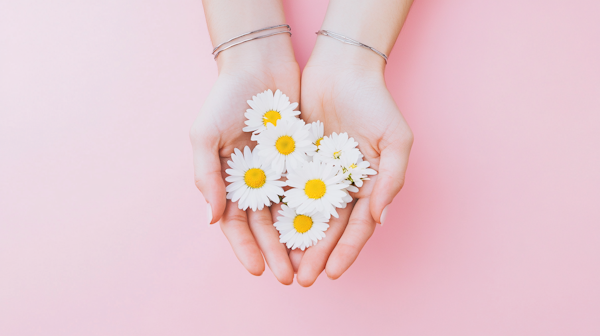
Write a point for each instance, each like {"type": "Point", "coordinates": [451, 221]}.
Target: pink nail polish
{"type": "Point", "coordinates": [209, 213]}
{"type": "Point", "coordinates": [383, 215]}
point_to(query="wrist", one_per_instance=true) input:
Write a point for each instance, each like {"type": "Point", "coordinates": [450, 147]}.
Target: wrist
{"type": "Point", "coordinates": [270, 52]}
{"type": "Point", "coordinates": [332, 53]}
{"type": "Point", "coordinates": [375, 23]}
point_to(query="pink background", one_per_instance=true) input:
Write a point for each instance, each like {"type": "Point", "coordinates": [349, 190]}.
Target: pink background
{"type": "Point", "coordinates": [102, 232]}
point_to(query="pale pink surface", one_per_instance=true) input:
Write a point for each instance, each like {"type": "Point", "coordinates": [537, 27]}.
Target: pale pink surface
{"type": "Point", "coordinates": [102, 232]}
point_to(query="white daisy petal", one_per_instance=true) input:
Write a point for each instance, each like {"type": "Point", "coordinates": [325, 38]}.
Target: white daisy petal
{"type": "Point", "coordinates": [335, 147]}
{"type": "Point", "coordinates": [283, 145]}
{"type": "Point", "coordinates": [300, 230]}
{"type": "Point", "coordinates": [252, 181]}
{"type": "Point", "coordinates": [316, 131]}
{"type": "Point", "coordinates": [267, 109]}
{"type": "Point", "coordinates": [241, 195]}
{"type": "Point", "coordinates": [356, 170]}
{"type": "Point", "coordinates": [312, 191]}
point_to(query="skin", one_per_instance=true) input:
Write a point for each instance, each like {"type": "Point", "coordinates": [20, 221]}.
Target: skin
{"type": "Point", "coordinates": [244, 71]}
{"type": "Point", "coordinates": [343, 86]}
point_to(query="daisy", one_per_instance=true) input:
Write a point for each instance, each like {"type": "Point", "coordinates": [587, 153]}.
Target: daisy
{"type": "Point", "coordinates": [348, 198]}
{"type": "Point", "coordinates": [285, 146]}
{"type": "Point", "coordinates": [267, 108]}
{"type": "Point", "coordinates": [316, 132]}
{"type": "Point", "coordinates": [300, 230]}
{"type": "Point", "coordinates": [356, 169]}
{"type": "Point", "coordinates": [333, 148]}
{"type": "Point", "coordinates": [253, 184]}
{"type": "Point", "coordinates": [316, 186]}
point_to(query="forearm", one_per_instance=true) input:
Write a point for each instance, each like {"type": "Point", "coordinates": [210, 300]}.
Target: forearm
{"type": "Point", "coordinates": [376, 23]}
{"type": "Point", "coordinates": [230, 18]}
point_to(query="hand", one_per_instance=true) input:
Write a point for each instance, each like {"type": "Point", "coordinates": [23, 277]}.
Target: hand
{"type": "Point", "coordinates": [344, 87]}
{"type": "Point", "coordinates": [244, 71]}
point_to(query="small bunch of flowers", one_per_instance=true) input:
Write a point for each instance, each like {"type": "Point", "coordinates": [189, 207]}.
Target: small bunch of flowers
{"type": "Point", "coordinates": [319, 171]}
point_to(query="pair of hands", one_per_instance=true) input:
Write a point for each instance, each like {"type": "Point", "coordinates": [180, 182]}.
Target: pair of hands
{"type": "Point", "coordinates": [344, 87]}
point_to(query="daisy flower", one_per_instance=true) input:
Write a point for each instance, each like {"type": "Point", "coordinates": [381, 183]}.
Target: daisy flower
{"type": "Point", "coordinates": [285, 146]}
{"type": "Point", "coordinates": [333, 148]}
{"type": "Point", "coordinates": [300, 230]}
{"type": "Point", "coordinates": [347, 198]}
{"type": "Point", "coordinates": [316, 131]}
{"type": "Point", "coordinates": [253, 183]}
{"type": "Point", "coordinates": [268, 108]}
{"type": "Point", "coordinates": [356, 169]}
{"type": "Point", "coordinates": [316, 186]}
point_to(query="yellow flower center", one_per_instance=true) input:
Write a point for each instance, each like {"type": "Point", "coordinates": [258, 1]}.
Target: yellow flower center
{"type": "Point", "coordinates": [318, 142]}
{"type": "Point", "coordinates": [255, 178]}
{"type": "Point", "coordinates": [315, 189]}
{"type": "Point", "coordinates": [353, 165]}
{"type": "Point", "coordinates": [271, 117]}
{"type": "Point", "coordinates": [285, 144]}
{"type": "Point", "coordinates": [302, 223]}
{"type": "Point", "coordinates": [336, 155]}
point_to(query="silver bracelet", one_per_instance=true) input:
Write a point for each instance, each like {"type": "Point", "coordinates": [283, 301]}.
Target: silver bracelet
{"type": "Point", "coordinates": [288, 31]}
{"type": "Point", "coordinates": [348, 40]}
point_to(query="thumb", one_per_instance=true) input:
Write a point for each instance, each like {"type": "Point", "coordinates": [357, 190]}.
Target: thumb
{"type": "Point", "coordinates": [390, 178]}
{"type": "Point", "coordinates": [207, 174]}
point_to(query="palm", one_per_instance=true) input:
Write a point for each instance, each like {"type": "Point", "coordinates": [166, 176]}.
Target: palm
{"type": "Point", "coordinates": [356, 103]}
{"type": "Point", "coordinates": [222, 115]}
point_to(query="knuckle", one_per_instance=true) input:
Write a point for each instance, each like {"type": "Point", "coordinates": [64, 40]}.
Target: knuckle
{"type": "Point", "coordinates": [407, 138]}
{"type": "Point", "coordinates": [260, 218]}
{"type": "Point", "coordinates": [362, 230]}
{"type": "Point", "coordinates": [201, 132]}
{"type": "Point", "coordinates": [396, 183]}
{"type": "Point", "coordinates": [395, 177]}
{"type": "Point", "coordinates": [196, 134]}
{"type": "Point", "coordinates": [246, 243]}
{"type": "Point", "coordinates": [400, 182]}
{"type": "Point", "coordinates": [350, 247]}
{"type": "Point", "coordinates": [198, 182]}
{"type": "Point", "coordinates": [410, 137]}
{"type": "Point", "coordinates": [236, 218]}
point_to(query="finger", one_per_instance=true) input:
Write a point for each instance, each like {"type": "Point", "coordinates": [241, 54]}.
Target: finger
{"type": "Point", "coordinates": [207, 173]}
{"type": "Point", "coordinates": [315, 257]}
{"type": "Point", "coordinates": [359, 230]}
{"type": "Point", "coordinates": [296, 257]}
{"type": "Point", "coordinates": [293, 255]}
{"type": "Point", "coordinates": [234, 225]}
{"type": "Point", "coordinates": [267, 237]}
{"type": "Point", "coordinates": [390, 178]}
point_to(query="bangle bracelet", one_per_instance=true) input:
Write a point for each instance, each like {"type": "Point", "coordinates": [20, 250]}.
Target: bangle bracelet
{"type": "Point", "coordinates": [287, 31]}
{"type": "Point", "coordinates": [348, 40]}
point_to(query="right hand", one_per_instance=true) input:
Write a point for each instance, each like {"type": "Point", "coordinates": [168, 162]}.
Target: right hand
{"type": "Point", "coordinates": [244, 71]}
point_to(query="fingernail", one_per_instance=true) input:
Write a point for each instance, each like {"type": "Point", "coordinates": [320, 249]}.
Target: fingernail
{"type": "Point", "coordinates": [383, 215]}
{"type": "Point", "coordinates": [209, 213]}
